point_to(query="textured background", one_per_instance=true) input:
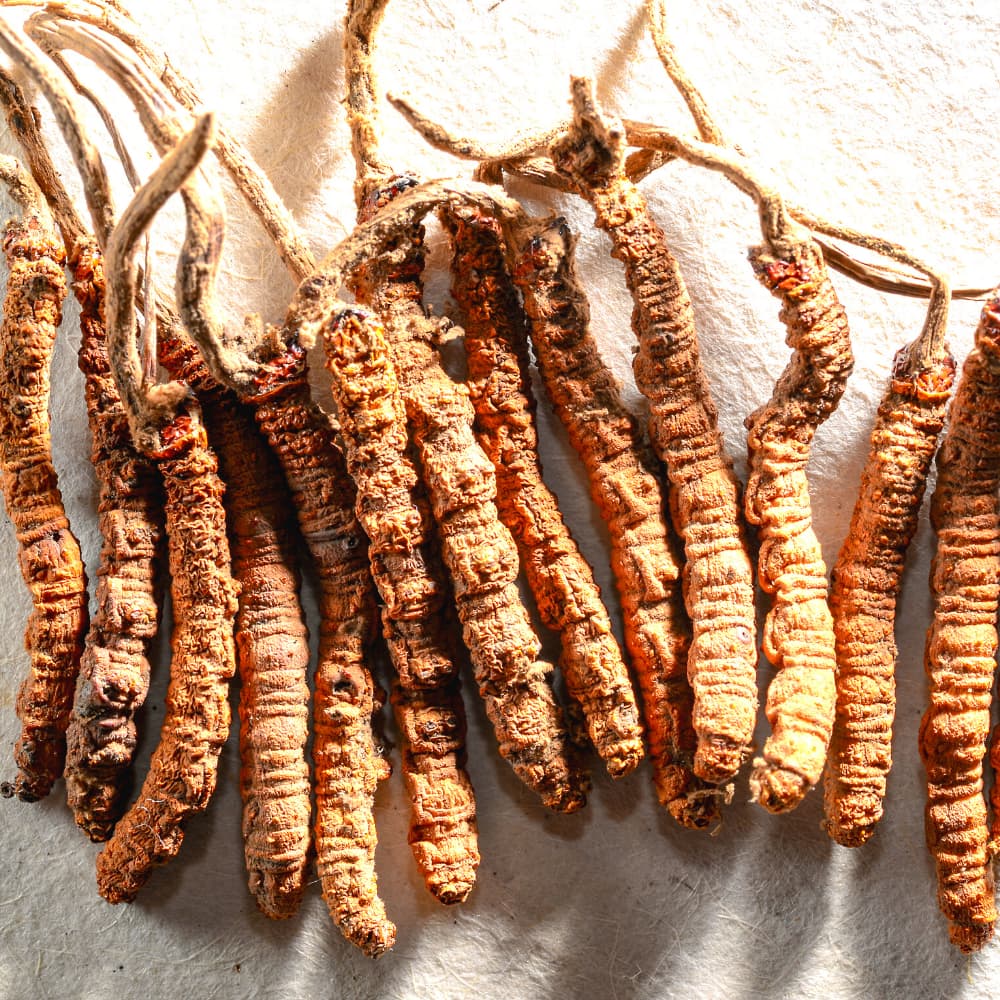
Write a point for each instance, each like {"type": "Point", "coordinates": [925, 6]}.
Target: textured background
{"type": "Point", "coordinates": [881, 115]}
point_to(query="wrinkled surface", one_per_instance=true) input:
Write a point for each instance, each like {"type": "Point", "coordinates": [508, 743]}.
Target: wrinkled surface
{"type": "Point", "coordinates": [476, 547]}
{"type": "Point", "coordinates": [114, 669]}
{"type": "Point", "coordinates": [569, 601]}
{"type": "Point", "coordinates": [518, 700]}
{"type": "Point", "coordinates": [418, 624]}
{"type": "Point", "coordinates": [798, 630]}
{"type": "Point", "coordinates": [272, 650]}
{"type": "Point", "coordinates": [182, 772]}
{"type": "Point", "coordinates": [960, 657]}
{"type": "Point", "coordinates": [621, 470]}
{"type": "Point", "coordinates": [864, 591]}
{"type": "Point", "coordinates": [346, 764]}
{"type": "Point", "coordinates": [49, 555]}
{"type": "Point", "coordinates": [683, 428]}
{"type": "Point", "coordinates": [882, 114]}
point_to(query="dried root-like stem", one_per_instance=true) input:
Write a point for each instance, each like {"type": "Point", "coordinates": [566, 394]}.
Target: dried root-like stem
{"type": "Point", "coordinates": [271, 640]}
{"type": "Point", "coordinates": [183, 767]}
{"type": "Point", "coordinates": [416, 617]}
{"type": "Point", "coordinates": [865, 585]}
{"type": "Point", "coordinates": [49, 555]}
{"type": "Point", "coordinates": [718, 576]}
{"type": "Point", "coordinates": [962, 642]}
{"type": "Point", "coordinates": [114, 671]}
{"type": "Point", "coordinates": [798, 632]}
{"type": "Point", "coordinates": [346, 765]}
{"type": "Point", "coordinates": [623, 483]}
{"type": "Point", "coordinates": [252, 182]}
{"type": "Point", "coordinates": [513, 683]}
{"type": "Point", "coordinates": [229, 361]}
{"type": "Point", "coordinates": [569, 601]}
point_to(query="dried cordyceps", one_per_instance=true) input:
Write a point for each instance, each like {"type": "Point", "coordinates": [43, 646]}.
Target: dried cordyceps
{"type": "Point", "coordinates": [272, 647]}
{"type": "Point", "coordinates": [962, 641]}
{"type": "Point", "coordinates": [518, 699]}
{"type": "Point", "coordinates": [271, 640]}
{"type": "Point", "coordinates": [182, 771]}
{"type": "Point", "coordinates": [568, 599]}
{"type": "Point", "coordinates": [416, 619]}
{"type": "Point", "coordinates": [677, 690]}
{"type": "Point", "coordinates": [48, 556]}
{"type": "Point", "coordinates": [798, 632]}
{"type": "Point", "coordinates": [869, 571]}
{"type": "Point", "coordinates": [114, 671]}
{"type": "Point", "coordinates": [477, 548]}
{"type": "Point", "coordinates": [718, 577]}
{"type": "Point", "coordinates": [347, 766]}
{"type": "Point", "coordinates": [621, 469]}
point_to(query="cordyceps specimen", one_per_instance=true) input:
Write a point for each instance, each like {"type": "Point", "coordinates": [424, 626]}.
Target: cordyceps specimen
{"type": "Point", "coordinates": [271, 639]}
{"type": "Point", "coordinates": [683, 424]}
{"type": "Point", "coordinates": [347, 766]}
{"type": "Point", "coordinates": [477, 548]}
{"type": "Point", "coordinates": [166, 424]}
{"type": "Point", "coordinates": [417, 617]}
{"type": "Point", "coordinates": [416, 623]}
{"type": "Point", "coordinates": [622, 472]}
{"type": "Point", "coordinates": [624, 483]}
{"type": "Point", "coordinates": [868, 573]}
{"type": "Point", "coordinates": [114, 671]}
{"type": "Point", "coordinates": [568, 598]}
{"type": "Point", "coordinates": [798, 632]}
{"type": "Point", "coordinates": [518, 697]}
{"type": "Point", "coordinates": [49, 556]}
{"type": "Point", "coordinates": [962, 641]}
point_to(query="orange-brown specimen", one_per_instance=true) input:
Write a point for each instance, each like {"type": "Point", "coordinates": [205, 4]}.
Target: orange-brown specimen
{"type": "Point", "coordinates": [683, 426]}
{"type": "Point", "coordinates": [49, 556]}
{"type": "Point", "coordinates": [569, 601]}
{"type": "Point", "coordinates": [114, 670]}
{"type": "Point", "coordinates": [514, 685]}
{"type": "Point", "coordinates": [182, 770]}
{"type": "Point", "coordinates": [477, 548]}
{"type": "Point", "coordinates": [622, 472]}
{"type": "Point", "coordinates": [864, 588]}
{"type": "Point", "coordinates": [798, 631]}
{"type": "Point", "coordinates": [346, 765]}
{"type": "Point", "coordinates": [961, 646]}
{"type": "Point", "coordinates": [271, 639]}
{"type": "Point", "coordinates": [417, 619]}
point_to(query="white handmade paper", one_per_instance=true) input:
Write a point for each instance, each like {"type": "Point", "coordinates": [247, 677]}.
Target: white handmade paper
{"type": "Point", "coordinates": [881, 115]}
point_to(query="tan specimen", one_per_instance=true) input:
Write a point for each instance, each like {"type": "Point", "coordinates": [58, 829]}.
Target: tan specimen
{"type": "Point", "coordinates": [960, 655]}
{"type": "Point", "coordinates": [114, 670]}
{"type": "Point", "coordinates": [568, 599]}
{"type": "Point", "coordinates": [867, 576]}
{"type": "Point", "coordinates": [48, 553]}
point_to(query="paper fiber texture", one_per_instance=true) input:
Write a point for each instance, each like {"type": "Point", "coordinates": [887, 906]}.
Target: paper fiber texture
{"type": "Point", "coordinates": [882, 116]}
